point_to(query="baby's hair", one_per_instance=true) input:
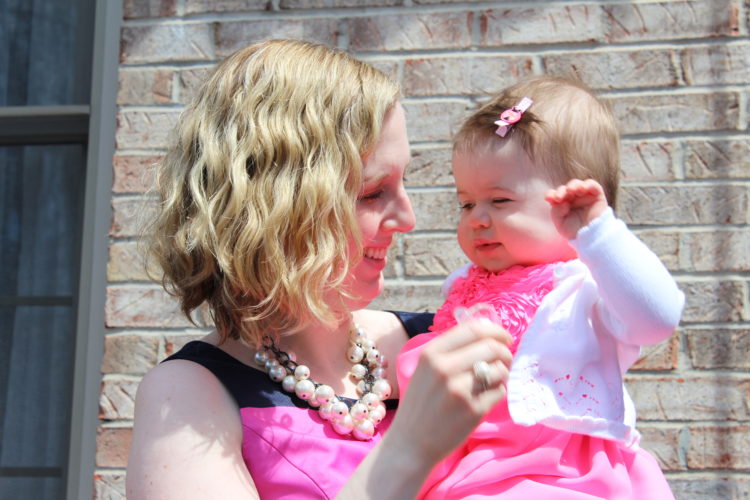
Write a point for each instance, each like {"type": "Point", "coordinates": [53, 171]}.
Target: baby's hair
{"type": "Point", "coordinates": [257, 193]}
{"type": "Point", "coordinates": [567, 131]}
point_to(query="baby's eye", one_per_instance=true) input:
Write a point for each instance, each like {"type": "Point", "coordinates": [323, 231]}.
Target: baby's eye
{"type": "Point", "coordinates": [465, 206]}
{"type": "Point", "coordinates": [498, 201]}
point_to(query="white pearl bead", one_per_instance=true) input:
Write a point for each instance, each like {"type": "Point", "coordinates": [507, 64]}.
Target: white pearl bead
{"type": "Point", "coordinates": [312, 402]}
{"type": "Point", "coordinates": [382, 388]}
{"type": "Point", "coordinates": [339, 410]}
{"type": "Point", "coordinates": [359, 411]}
{"type": "Point", "coordinates": [270, 363]}
{"type": "Point", "coordinates": [366, 344]}
{"type": "Point", "coordinates": [361, 387]}
{"type": "Point", "coordinates": [363, 430]}
{"type": "Point", "coordinates": [358, 371]}
{"type": "Point", "coordinates": [343, 426]}
{"type": "Point", "coordinates": [324, 394]}
{"type": "Point", "coordinates": [373, 355]}
{"type": "Point", "coordinates": [261, 357]}
{"type": "Point", "coordinates": [288, 383]}
{"type": "Point", "coordinates": [371, 400]}
{"type": "Point", "coordinates": [302, 372]}
{"type": "Point", "coordinates": [357, 334]}
{"type": "Point", "coordinates": [277, 373]}
{"type": "Point", "coordinates": [383, 361]}
{"type": "Point", "coordinates": [355, 354]}
{"type": "Point", "coordinates": [304, 389]}
{"type": "Point", "coordinates": [378, 373]}
{"type": "Point", "coordinates": [377, 414]}
{"type": "Point", "coordinates": [325, 412]}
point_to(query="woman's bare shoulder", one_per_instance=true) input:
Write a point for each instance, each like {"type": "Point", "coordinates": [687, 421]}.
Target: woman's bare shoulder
{"type": "Point", "coordinates": [187, 437]}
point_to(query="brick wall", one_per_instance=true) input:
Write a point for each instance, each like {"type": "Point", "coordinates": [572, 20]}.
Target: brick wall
{"type": "Point", "coordinates": [678, 76]}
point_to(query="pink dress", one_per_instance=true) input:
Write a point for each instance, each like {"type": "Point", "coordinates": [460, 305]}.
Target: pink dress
{"type": "Point", "coordinates": [502, 459]}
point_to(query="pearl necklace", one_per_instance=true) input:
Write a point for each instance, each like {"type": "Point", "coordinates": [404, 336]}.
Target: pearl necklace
{"type": "Point", "coordinates": [368, 369]}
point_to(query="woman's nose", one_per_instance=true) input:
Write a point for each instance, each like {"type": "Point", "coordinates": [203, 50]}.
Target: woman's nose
{"type": "Point", "coordinates": [402, 218]}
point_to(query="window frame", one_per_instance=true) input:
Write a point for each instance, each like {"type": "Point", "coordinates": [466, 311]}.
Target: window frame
{"type": "Point", "coordinates": [94, 250]}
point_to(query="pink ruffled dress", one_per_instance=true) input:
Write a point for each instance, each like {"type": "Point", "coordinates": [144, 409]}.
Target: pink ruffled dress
{"type": "Point", "coordinates": [502, 459]}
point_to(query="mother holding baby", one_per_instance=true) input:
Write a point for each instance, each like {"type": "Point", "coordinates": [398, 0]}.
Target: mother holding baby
{"type": "Point", "coordinates": [279, 199]}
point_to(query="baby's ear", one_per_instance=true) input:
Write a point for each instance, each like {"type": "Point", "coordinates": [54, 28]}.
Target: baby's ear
{"type": "Point", "coordinates": [461, 272]}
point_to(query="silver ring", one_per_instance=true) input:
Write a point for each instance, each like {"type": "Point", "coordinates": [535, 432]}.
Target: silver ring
{"type": "Point", "coordinates": [482, 373]}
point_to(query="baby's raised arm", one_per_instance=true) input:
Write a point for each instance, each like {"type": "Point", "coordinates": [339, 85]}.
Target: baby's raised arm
{"type": "Point", "coordinates": [575, 205]}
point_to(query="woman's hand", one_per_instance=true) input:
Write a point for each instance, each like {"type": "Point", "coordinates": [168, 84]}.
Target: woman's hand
{"type": "Point", "coordinates": [575, 205]}
{"type": "Point", "coordinates": [445, 401]}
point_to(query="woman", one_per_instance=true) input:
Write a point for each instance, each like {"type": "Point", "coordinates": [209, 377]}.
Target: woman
{"type": "Point", "coordinates": [279, 200]}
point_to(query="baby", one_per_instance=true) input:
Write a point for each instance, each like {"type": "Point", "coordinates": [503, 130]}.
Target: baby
{"type": "Point", "coordinates": [536, 171]}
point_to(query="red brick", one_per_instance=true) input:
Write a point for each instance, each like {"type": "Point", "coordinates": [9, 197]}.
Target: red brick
{"type": "Point", "coordinates": [635, 22]}
{"type": "Point", "coordinates": [190, 81]}
{"type": "Point", "coordinates": [434, 120]}
{"type": "Point", "coordinates": [109, 485]}
{"type": "Point", "coordinates": [133, 173]}
{"type": "Point", "coordinates": [231, 36]}
{"type": "Point", "coordinates": [130, 215]}
{"type": "Point", "coordinates": [719, 348]}
{"type": "Point", "coordinates": [142, 306]}
{"type": "Point", "coordinates": [717, 485]}
{"type": "Point", "coordinates": [211, 6]}
{"type": "Point", "coordinates": [132, 9]}
{"type": "Point", "coordinates": [616, 70]}
{"type": "Point", "coordinates": [127, 263]}
{"type": "Point", "coordinates": [716, 64]}
{"type": "Point", "coordinates": [647, 160]}
{"type": "Point", "coordinates": [132, 353]}
{"type": "Point", "coordinates": [113, 446]}
{"type": "Point", "coordinates": [719, 447]}
{"type": "Point", "coordinates": [407, 31]}
{"type": "Point", "coordinates": [709, 397]}
{"type": "Point", "coordinates": [666, 245]}
{"type": "Point", "coordinates": [430, 166]}
{"type": "Point", "coordinates": [659, 357]}
{"type": "Point", "coordinates": [714, 301]}
{"type": "Point", "coordinates": [465, 75]}
{"type": "Point", "coordinates": [435, 256]}
{"type": "Point", "coordinates": [320, 4]}
{"type": "Point", "coordinates": [173, 343]}
{"type": "Point", "coordinates": [435, 210]}
{"type": "Point", "coordinates": [144, 86]}
{"type": "Point", "coordinates": [676, 112]}
{"type": "Point", "coordinates": [166, 42]}
{"type": "Point", "coordinates": [674, 204]}
{"type": "Point", "coordinates": [144, 130]}
{"type": "Point", "coordinates": [726, 250]}
{"type": "Point", "coordinates": [409, 297]}
{"type": "Point", "coordinates": [117, 398]}
{"type": "Point", "coordinates": [717, 158]}
{"type": "Point", "coordinates": [543, 24]}
{"type": "Point", "coordinates": [664, 444]}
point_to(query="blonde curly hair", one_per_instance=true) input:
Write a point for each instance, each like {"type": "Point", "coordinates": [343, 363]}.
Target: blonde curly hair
{"type": "Point", "coordinates": [567, 131]}
{"type": "Point", "coordinates": [257, 193]}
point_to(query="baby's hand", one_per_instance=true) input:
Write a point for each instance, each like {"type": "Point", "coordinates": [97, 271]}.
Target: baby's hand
{"type": "Point", "coordinates": [575, 205]}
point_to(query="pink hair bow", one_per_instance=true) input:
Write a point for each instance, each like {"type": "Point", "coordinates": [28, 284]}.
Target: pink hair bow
{"type": "Point", "coordinates": [511, 116]}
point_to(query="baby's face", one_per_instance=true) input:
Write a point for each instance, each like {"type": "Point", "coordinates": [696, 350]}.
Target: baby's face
{"type": "Point", "coordinates": [505, 220]}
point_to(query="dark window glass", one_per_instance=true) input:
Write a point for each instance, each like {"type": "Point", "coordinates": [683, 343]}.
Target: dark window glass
{"type": "Point", "coordinates": [45, 52]}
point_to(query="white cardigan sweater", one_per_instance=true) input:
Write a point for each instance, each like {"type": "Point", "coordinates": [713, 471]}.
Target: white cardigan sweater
{"type": "Point", "coordinates": [568, 370]}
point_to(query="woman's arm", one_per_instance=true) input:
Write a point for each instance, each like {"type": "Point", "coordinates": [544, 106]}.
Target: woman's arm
{"type": "Point", "coordinates": [443, 404]}
{"type": "Point", "coordinates": [186, 438]}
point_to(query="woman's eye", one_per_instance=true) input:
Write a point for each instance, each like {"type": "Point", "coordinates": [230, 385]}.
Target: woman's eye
{"type": "Point", "coordinates": [371, 196]}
